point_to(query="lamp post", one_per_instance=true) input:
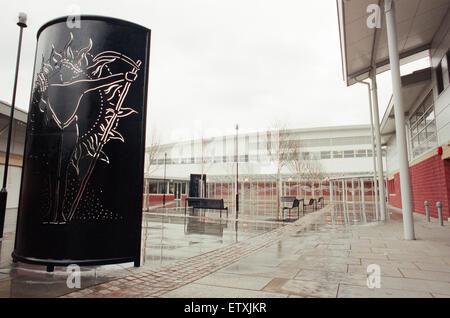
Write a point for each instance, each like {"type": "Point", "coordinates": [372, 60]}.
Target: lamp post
{"type": "Point", "coordinates": [237, 171]}
{"type": "Point", "coordinates": [165, 190]}
{"type": "Point", "coordinates": [22, 23]}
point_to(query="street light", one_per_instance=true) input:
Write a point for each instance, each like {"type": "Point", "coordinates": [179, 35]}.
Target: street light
{"type": "Point", "coordinates": [237, 172]}
{"type": "Point", "coordinates": [165, 190]}
{"type": "Point", "coordinates": [22, 23]}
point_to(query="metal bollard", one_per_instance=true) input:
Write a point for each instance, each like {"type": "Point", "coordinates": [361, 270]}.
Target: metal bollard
{"type": "Point", "coordinates": [427, 210]}
{"type": "Point", "coordinates": [439, 207]}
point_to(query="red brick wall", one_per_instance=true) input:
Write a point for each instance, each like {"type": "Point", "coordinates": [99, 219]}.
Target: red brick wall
{"type": "Point", "coordinates": [430, 181]}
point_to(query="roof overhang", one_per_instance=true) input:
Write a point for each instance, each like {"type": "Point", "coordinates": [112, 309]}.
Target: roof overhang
{"type": "Point", "coordinates": [414, 86]}
{"type": "Point", "coordinates": [5, 110]}
{"type": "Point", "coordinates": [362, 47]}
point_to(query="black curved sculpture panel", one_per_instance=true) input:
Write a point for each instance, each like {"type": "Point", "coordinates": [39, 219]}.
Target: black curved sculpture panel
{"type": "Point", "coordinates": [82, 179]}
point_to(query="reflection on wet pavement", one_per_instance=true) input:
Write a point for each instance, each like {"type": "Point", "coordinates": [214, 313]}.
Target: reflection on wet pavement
{"type": "Point", "coordinates": [167, 237]}
{"type": "Point", "coordinates": [170, 236]}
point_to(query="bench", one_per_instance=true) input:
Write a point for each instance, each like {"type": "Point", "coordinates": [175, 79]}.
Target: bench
{"type": "Point", "coordinates": [205, 203]}
{"type": "Point", "coordinates": [294, 203]}
{"type": "Point", "coordinates": [320, 203]}
{"type": "Point", "coordinates": [312, 202]}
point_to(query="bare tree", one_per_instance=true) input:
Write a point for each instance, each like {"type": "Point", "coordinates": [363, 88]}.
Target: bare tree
{"type": "Point", "coordinates": [281, 148]}
{"type": "Point", "coordinates": [206, 161]}
{"type": "Point", "coordinates": [152, 153]}
{"type": "Point", "coordinates": [298, 165]}
{"type": "Point", "coordinates": [314, 173]}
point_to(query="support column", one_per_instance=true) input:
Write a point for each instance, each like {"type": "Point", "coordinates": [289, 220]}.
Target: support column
{"type": "Point", "coordinates": [331, 191]}
{"type": "Point", "coordinates": [372, 132]}
{"type": "Point", "coordinates": [376, 118]}
{"type": "Point", "coordinates": [405, 179]}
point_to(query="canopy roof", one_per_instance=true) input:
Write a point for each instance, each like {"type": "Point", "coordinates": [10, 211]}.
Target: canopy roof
{"type": "Point", "coordinates": [362, 47]}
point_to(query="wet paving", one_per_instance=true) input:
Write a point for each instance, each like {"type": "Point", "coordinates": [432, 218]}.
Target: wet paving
{"type": "Point", "coordinates": [169, 236]}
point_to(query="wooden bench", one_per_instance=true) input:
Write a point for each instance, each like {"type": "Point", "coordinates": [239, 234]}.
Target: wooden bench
{"type": "Point", "coordinates": [205, 203]}
{"type": "Point", "coordinates": [293, 203]}
{"type": "Point", "coordinates": [320, 203]}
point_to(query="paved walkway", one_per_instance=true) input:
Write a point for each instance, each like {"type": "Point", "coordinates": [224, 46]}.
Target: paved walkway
{"type": "Point", "coordinates": [320, 255]}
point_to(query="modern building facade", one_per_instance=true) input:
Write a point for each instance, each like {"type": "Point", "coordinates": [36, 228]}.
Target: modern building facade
{"type": "Point", "coordinates": [427, 116]}
{"type": "Point", "coordinates": [333, 152]}
{"type": "Point", "coordinates": [378, 36]}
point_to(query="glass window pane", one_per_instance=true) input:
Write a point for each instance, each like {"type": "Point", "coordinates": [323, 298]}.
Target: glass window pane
{"type": "Point", "coordinates": [431, 130]}
{"type": "Point", "coordinates": [419, 112]}
{"type": "Point", "coordinates": [421, 124]}
{"type": "Point", "coordinates": [430, 116]}
{"type": "Point", "coordinates": [428, 101]}
{"type": "Point", "coordinates": [349, 153]}
{"type": "Point", "coordinates": [153, 187]}
{"type": "Point", "coordinates": [422, 137]}
{"type": "Point", "coordinates": [361, 153]}
{"type": "Point", "coordinates": [325, 155]}
{"type": "Point", "coordinates": [337, 154]}
{"type": "Point", "coordinates": [432, 141]}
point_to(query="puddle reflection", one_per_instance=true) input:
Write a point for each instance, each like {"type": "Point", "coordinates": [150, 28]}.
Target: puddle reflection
{"type": "Point", "coordinates": [352, 213]}
{"type": "Point", "coordinates": [167, 238]}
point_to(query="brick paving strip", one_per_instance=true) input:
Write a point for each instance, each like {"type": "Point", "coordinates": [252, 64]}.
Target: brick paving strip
{"type": "Point", "coordinates": [156, 282]}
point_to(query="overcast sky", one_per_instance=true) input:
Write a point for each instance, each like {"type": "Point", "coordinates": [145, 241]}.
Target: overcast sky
{"type": "Point", "coordinates": [217, 63]}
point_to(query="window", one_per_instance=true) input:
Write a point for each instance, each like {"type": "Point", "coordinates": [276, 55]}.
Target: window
{"type": "Point", "coordinates": [360, 153]}
{"type": "Point", "coordinates": [422, 127]}
{"type": "Point", "coordinates": [153, 187]}
{"type": "Point", "coordinates": [337, 154]}
{"type": "Point", "coordinates": [162, 187]}
{"type": "Point", "coordinates": [349, 154]}
{"type": "Point", "coordinates": [315, 155]}
{"type": "Point", "coordinates": [325, 154]}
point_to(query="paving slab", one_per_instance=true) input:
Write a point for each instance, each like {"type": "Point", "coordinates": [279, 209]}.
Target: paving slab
{"type": "Point", "coordinates": [249, 270]}
{"type": "Point", "coordinates": [427, 275]}
{"type": "Point", "coordinates": [195, 290]}
{"type": "Point", "coordinates": [302, 288]}
{"type": "Point", "coordinates": [352, 291]}
{"type": "Point", "coordinates": [234, 281]}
